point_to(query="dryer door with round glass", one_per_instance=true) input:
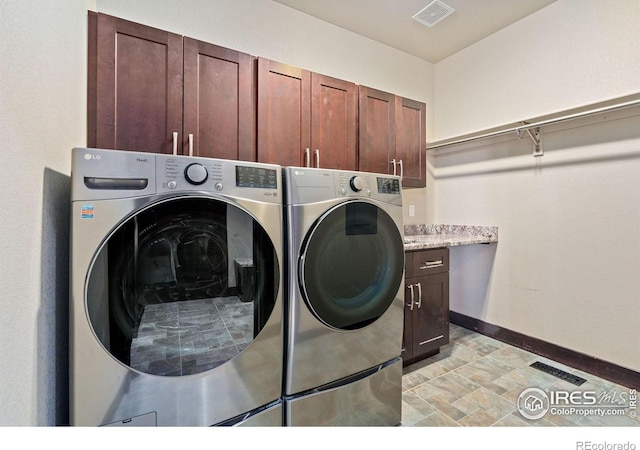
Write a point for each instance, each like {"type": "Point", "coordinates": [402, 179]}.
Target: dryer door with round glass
{"type": "Point", "coordinates": [351, 265]}
{"type": "Point", "coordinates": [173, 291]}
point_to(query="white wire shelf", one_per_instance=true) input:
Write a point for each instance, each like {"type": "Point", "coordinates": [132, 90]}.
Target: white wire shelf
{"type": "Point", "coordinates": [532, 127]}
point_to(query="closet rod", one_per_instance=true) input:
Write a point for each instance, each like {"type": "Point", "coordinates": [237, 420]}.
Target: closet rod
{"type": "Point", "coordinates": [526, 125]}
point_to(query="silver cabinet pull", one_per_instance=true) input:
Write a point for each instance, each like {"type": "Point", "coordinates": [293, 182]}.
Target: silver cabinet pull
{"type": "Point", "coordinates": [401, 170]}
{"type": "Point", "coordinates": [175, 143]}
{"type": "Point", "coordinates": [419, 295]}
{"type": "Point", "coordinates": [393, 161]}
{"type": "Point", "coordinates": [431, 340]}
{"type": "Point", "coordinates": [307, 158]}
{"type": "Point", "coordinates": [432, 264]}
{"type": "Point", "coordinates": [317, 158]}
{"type": "Point", "coordinates": [190, 144]}
{"type": "Point", "coordinates": [411, 304]}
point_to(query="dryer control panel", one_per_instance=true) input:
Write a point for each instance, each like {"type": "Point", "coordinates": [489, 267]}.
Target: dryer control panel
{"type": "Point", "coordinates": [361, 184]}
{"type": "Point", "coordinates": [308, 185]}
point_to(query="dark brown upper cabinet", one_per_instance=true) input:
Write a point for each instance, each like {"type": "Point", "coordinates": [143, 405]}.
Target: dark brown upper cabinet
{"type": "Point", "coordinates": [155, 91]}
{"type": "Point", "coordinates": [305, 119]}
{"type": "Point", "coordinates": [135, 85]}
{"type": "Point", "coordinates": [284, 99]}
{"type": "Point", "coordinates": [219, 102]}
{"type": "Point", "coordinates": [411, 144]}
{"type": "Point", "coordinates": [334, 123]}
{"type": "Point", "coordinates": [392, 136]}
{"type": "Point", "coordinates": [377, 130]}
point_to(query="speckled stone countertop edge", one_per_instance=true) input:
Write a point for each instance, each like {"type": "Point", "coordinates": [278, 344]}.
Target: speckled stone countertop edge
{"type": "Point", "coordinates": [418, 237]}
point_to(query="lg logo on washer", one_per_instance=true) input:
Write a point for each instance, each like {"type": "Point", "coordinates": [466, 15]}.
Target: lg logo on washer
{"type": "Point", "coordinates": [92, 157]}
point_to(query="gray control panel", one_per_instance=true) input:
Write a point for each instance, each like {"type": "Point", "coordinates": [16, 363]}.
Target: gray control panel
{"type": "Point", "coordinates": [308, 185]}
{"type": "Point", "coordinates": [109, 174]}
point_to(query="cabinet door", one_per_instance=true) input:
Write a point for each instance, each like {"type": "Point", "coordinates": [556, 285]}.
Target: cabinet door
{"type": "Point", "coordinates": [284, 105]}
{"type": "Point", "coordinates": [430, 313]}
{"type": "Point", "coordinates": [411, 141]}
{"type": "Point", "coordinates": [219, 111]}
{"type": "Point", "coordinates": [377, 134]}
{"type": "Point", "coordinates": [407, 335]}
{"type": "Point", "coordinates": [334, 124]}
{"type": "Point", "coordinates": [137, 76]}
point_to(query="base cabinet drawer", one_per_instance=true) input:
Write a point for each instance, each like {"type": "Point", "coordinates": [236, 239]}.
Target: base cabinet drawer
{"type": "Point", "coordinates": [427, 262]}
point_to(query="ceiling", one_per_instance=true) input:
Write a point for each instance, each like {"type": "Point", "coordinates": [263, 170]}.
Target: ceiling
{"type": "Point", "coordinates": [390, 21]}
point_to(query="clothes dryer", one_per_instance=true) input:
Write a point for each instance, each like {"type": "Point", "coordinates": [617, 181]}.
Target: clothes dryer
{"type": "Point", "coordinates": [345, 266]}
{"type": "Point", "coordinates": [160, 333]}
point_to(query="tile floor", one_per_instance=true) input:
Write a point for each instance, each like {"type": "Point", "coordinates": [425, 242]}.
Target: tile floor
{"type": "Point", "coordinates": [192, 336]}
{"type": "Point", "coordinates": [475, 381]}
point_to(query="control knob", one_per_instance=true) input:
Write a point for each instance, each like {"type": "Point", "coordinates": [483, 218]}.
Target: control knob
{"type": "Point", "coordinates": [196, 173]}
{"type": "Point", "coordinates": [356, 183]}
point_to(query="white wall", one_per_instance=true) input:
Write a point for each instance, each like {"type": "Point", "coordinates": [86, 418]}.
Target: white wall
{"type": "Point", "coordinates": [43, 48]}
{"type": "Point", "coordinates": [568, 54]}
{"type": "Point", "coordinates": [566, 267]}
{"type": "Point", "coordinates": [42, 115]}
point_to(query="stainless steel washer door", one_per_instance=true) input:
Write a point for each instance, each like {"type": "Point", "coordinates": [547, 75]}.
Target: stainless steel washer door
{"type": "Point", "coordinates": [158, 296]}
{"type": "Point", "coordinates": [351, 265]}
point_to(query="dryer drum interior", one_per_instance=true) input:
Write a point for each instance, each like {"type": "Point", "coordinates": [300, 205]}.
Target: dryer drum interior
{"type": "Point", "coordinates": [170, 309]}
{"type": "Point", "coordinates": [351, 265]}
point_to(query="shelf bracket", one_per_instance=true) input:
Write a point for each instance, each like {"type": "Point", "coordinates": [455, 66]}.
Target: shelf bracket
{"type": "Point", "coordinates": [535, 137]}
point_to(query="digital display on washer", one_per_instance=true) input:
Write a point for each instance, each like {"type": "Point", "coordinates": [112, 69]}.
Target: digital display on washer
{"type": "Point", "coordinates": [256, 177]}
{"type": "Point", "coordinates": [388, 185]}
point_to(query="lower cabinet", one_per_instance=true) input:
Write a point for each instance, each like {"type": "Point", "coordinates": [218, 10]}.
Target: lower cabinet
{"type": "Point", "coordinates": [426, 312]}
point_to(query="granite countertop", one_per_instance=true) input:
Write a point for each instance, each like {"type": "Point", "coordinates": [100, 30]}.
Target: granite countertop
{"type": "Point", "coordinates": [420, 237]}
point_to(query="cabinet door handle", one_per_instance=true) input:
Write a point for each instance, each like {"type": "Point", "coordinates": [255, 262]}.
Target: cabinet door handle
{"type": "Point", "coordinates": [307, 158]}
{"type": "Point", "coordinates": [190, 144]}
{"type": "Point", "coordinates": [419, 295]}
{"type": "Point", "coordinates": [432, 264]}
{"type": "Point", "coordinates": [317, 158]}
{"type": "Point", "coordinates": [401, 170]}
{"type": "Point", "coordinates": [175, 143]}
{"type": "Point", "coordinates": [393, 161]}
{"type": "Point", "coordinates": [411, 304]}
{"type": "Point", "coordinates": [431, 340]}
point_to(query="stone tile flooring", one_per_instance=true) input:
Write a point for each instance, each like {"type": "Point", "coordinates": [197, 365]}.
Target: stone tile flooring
{"type": "Point", "coordinates": [188, 337]}
{"type": "Point", "coordinates": [475, 381]}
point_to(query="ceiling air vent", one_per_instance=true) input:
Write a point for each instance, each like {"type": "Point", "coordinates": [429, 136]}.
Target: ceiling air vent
{"type": "Point", "coordinates": [433, 13]}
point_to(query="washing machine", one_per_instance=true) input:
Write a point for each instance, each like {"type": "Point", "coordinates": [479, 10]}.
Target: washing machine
{"type": "Point", "coordinates": [176, 315]}
{"type": "Point", "coordinates": [345, 298]}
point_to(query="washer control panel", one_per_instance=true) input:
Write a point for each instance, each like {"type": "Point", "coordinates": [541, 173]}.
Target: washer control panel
{"type": "Point", "coordinates": [241, 178]}
{"type": "Point", "coordinates": [103, 174]}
